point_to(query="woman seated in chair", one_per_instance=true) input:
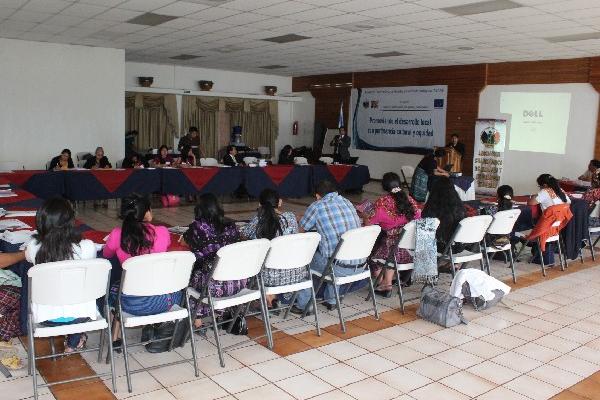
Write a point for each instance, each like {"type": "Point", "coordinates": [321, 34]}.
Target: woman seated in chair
{"type": "Point", "coordinates": [444, 204]}
{"type": "Point", "coordinates": [133, 160]}
{"type": "Point", "coordinates": [57, 240]}
{"type": "Point", "coordinates": [206, 235]}
{"type": "Point", "coordinates": [99, 161]}
{"type": "Point", "coordinates": [10, 299]}
{"type": "Point", "coordinates": [550, 193]}
{"type": "Point", "coordinates": [62, 162]}
{"type": "Point", "coordinates": [187, 158]}
{"type": "Point", "coordinates": [137, 236]}
{"type": "Point", "coordinates": [286, 156]}
{"type": "Point", "coordinates": [269, 223]}
{"type": "Point", "coordinates": [504, 196]}
{"type": "Point", "coordinates": [425, 172]}
{"type": "Point", "coordinates": [391, 212]}
{"type": "Point", "coordinates": [591, 196]}
{"type": "Point", "coordinates": [163, 158]}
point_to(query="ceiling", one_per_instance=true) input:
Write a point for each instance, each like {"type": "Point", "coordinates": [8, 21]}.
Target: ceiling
{"type": "Point", "coordinates": [337, 35]}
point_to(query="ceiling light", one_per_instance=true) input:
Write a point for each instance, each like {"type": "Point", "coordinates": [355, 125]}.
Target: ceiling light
{"type": "Point", "coordinates": [386, 54]}
{"type": "Point", "coordinates": [151, 19]}
{"type": "Point", "coordinates": [573, 38]}
{"type": "Point", "coordinates": [286, 38]}
{"type": "Point", "coordinates": [184, 57]}
{"type": "Point", "coordinates": [481, 7]}
{"type": "Point", "coordinates": [274, 66]}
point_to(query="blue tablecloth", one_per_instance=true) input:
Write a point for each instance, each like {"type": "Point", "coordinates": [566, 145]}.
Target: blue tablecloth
{"type": "Point", "coordinates": [88, 185]}
{"type": "Point", "coordinates": [289, 181]}
{"type": "Point", "coordinates": [356, 177]}
{"type": "Point", "coordinates": [215, 180]}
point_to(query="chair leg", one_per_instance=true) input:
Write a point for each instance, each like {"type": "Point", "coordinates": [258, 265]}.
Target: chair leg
{"type": "Point", "coordinates": [265, 314]}
{"type": "Point", "coordinates": [400, 294]}
{"type": "Point", "coordinates": [216, 331]}
{"type": "Point", "coordinates": [101, 345]}
{"type": "Point", "coordinates": [33, 369]}
{"type": "Point", "coordinates": [591, 246]}
{"type": "Point", "coordinates": [292, 301]}
{"type": "Point", "coordinates": [372, 287]}
{"type": "Point", "coordinates": [541, 258]}
{"type": "Point", "coordinates": [52, 347]}
{"type": "Point", "coordinates": [125, 357]}
{"type": "Point", "coordinates": [512, 265]}
{"type": "Point", "coordinates": [339, 305]}
{"type": "Point", "coordinates": [314, 303]}
{"type": "Point", "coordinates": [192, 340]}
{"type": "Point", "coordinates": [111, 354]}
{"type": "Point", "coordinates": [560, 256]}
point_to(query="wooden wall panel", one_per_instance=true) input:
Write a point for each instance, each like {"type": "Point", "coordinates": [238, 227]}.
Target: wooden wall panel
{"type": "Point", "coordinates": [465, 82]}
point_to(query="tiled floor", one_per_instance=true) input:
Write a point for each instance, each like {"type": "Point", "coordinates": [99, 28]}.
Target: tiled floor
{"type": "Point", "coordinates": [542, 342]}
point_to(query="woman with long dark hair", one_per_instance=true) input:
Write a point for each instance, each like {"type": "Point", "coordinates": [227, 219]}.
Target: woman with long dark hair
{"type": "Point", "coordinates": [206, 235]}
{"type": "Point", "coordinates": [444, 204]}
{"type": "Point", "coordinates": [550, 193]}
{"type": "Point", "coordinates": [187, 157]}
{"type": "Point", "coordinates": [391, 212]}
{"type": "Point", "coordinates": [286, 155]}
{"type": "Point", "coordinates": [163, 158]}
{"type": "Point", "coordinates": [269, 223]}
{"type": "Point", "coordinates": [505, 195]}
{"type": "Point", "coordinates": [57, 240]}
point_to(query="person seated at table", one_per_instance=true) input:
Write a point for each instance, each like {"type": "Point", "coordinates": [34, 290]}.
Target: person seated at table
{"type": "Point", "coordinates": [286, 156]}
{"type": "Point", "coordinates": [187, 158]}
{"type": "Point", "coordinates": [331, 215]}
{"type": "Point", "coordinates": [62, 162]}
{"type": "Point", "coordinates": [391, 212]}
{"type": "Point", "coordinates": [425, 172]}
{"type": "Point", "coordinates": [136, 236]}
{"type": "Point", "coordinates": [230, 157]}
{"type": "Point", "coordinates": [99, 161]}
{"type": "Point", "coordinates": [550, 193]}
{"type": "Point", "coordinates": [593, 165]}
{"type": "Point", "coordinates": [504, 196]}
{"type": "Point", "coordinates": [192, 139]}
{"type": "Point", "coordinates": [57, 240]}
{"type": "Point", "coordinates": [133, 160]}
{"type": "Point", "coordinates": [444, 204]}
{"type": "Point", "coordinates": [10, 299]}
{"type": "Point", "coordinates": [205, 236]}
{"type": "Point", "coordinates": [269, 223]}
{"type": "Point", "coordinates": [591, 196]}
{"type": "Point", "coordinates": [163, 158]}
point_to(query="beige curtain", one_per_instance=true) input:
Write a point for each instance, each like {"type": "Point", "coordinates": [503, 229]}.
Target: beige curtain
{"type": "Point", "coordinates": [203, 113]}
{"type": "Point", "coordinates": [258, 119]}
{"type": "Point", "coordinates": [154, 116]}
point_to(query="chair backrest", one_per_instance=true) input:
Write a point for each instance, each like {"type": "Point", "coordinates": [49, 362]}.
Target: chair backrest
{"type": "Point", "coordinates": [80, 156]}
{"type": "Point", "coordinates": [357, 243]}
{"type": "Point", "coordinates": [264, 150]}
{"type": "Point", "coordinates": [472, 229]}
{"type": "Point", "coordinates": [292, 251]}
{"type": "Point", "coordinates": [68, 282]}
{"type": "Point", "coordinates": [250, 160]}
{"type": "Point", "coordinates": [6, 166]}
{"type": "Point", "coordinates": [504, 222]}
{"type": "Point", "coordinates": [209, 162]}
{"type": "Point", "coordinates": [409, 235]}
{"type": "Point", "coordinates": [158, 273]}
{"type": "Point", "coordinates": [407, 171]}
{"type": "Point", "coordinates": [81, 163]}
{"type": "Point", "coordinates": [596, 211]}
{"type": "Point", "coordinates": [240, 260]}
{"type": "Point", "coordinates": [326, 160]}
{"type": "Point", "coordinates": [300, 161]}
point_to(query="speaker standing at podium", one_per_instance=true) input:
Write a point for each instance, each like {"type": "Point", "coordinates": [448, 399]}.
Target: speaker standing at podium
{"type": "Point", "coordinates": [456, 145]}
{"type": "Point", "coordinates": [341, 144]}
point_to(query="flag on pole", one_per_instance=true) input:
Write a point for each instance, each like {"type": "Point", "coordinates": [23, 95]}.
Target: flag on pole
{"type": "Point", "coordinates": [341, 117]}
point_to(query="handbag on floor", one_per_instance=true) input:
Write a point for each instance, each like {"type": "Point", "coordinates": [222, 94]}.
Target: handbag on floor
{"type": "Point", "coordinates": [180, 330]}
{"type": "Point", "coordinates": [440, 308]}
{"type": "Point", "coordinates": [170, 200]}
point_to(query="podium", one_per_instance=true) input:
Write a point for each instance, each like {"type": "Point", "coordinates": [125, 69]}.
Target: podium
{"type": "Point", "coordinates": [452, 157]}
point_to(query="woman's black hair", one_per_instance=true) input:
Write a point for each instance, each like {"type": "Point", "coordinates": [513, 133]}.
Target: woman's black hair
{"type": "Point", "coordinates": [136, 236]}
{"type": "Point", "coordinates": [283, 154]}
{"type": "Point", "coordinates": [444, 204]}
{"type": "Point", "coordinates": [439, 153]}
{"type": "Point", "coordinates": [551, 182]}
{"type": "Point", "coordinates": [505, 194]}
{"type": "Point", "coordinates": [55, 221]}
{"type": "Point", "coordinates": [229, 148]}
{"type": "Point", "coordinates": [209, 210]}
{"type": "Point", "coordinates": [391, 184]}
{"type": "Point", "coordinates": [66, 151]}
{"type": "Point", "coordinates": [268, 225]}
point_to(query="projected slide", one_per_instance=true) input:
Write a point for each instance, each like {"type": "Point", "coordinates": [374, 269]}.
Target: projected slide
{"type": "Point", "coordinates": [539, 120]}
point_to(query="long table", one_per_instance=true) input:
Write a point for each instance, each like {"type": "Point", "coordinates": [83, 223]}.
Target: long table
{"type": "Point", "coordinates": [289, 180]}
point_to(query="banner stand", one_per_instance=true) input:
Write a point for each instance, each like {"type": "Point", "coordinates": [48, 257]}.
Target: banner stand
{"type": "Point", "coordinates": [488, 155]}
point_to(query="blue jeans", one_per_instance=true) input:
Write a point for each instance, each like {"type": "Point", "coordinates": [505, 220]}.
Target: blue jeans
{"type": "Point", "coordinates": [319, 263]}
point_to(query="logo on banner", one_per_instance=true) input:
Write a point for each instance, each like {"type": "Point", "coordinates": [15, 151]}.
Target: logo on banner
{"type": "Point", "coordinates": [438, 103]}
{"type": "Point", "coordinates": [490, 136]}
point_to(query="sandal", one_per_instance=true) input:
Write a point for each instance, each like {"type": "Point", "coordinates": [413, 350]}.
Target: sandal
{"type": "Point", "coordinates": [80, 346]}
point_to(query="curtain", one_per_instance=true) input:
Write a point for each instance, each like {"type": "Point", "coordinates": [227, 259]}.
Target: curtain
{"type": "Point", "coordinates": [258, 119]}
{"type": "Point", "coordinates": [154, 116]}
{"type": "Point", "coordinates": [203, 113]}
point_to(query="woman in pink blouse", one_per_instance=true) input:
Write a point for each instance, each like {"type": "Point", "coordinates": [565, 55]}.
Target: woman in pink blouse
{"type": "Point", "coordinates": [391, 212]}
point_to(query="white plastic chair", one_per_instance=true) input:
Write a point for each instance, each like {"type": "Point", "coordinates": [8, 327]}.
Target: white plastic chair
{"type": "Point", "coordinates": [354, 244]}
{"type": "Point", "coordinates": [289, 252]}
{"type": "Point", "coordinates": [237, 261]}
{"type": "Point", "coordinates": [80, 156]}
{"type": "Point", "coordinates": [326, 160]}
{"type": "Point", "coordinates": [80, 163]}
{"type": "Point", "coordinates": [6, 166]}
{"type": "Point", "coordinates": [209, 162]}
{"type": "Point", "coordinates": [502, 224]}
{"type": "Point", "coordinates": [595, 230]}
{"type": "Point", "coordinates": [250, 160]}
{"type": "Point", "coordinates": [470, 230]}
{"type": "Point", "coordinates": [300, 161]}
{"type": "Point", "coordinates": [63, 284]}
{"type": "Point", "coordinates": [153, 275]}
{"type": "Point", "coordinates": [407, 173]}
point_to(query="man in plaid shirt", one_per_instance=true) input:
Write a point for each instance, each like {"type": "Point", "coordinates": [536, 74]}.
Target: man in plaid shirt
{"type": "Point", "coordinates": [331, 216]}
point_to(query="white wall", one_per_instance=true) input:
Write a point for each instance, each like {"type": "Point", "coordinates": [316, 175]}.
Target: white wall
{"type": "Point", "coordinates": [54, 96]}
{"type": "Point", "coordinates": [179, 77]}
{"type": "Point", "coordinates": [521, 168]}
